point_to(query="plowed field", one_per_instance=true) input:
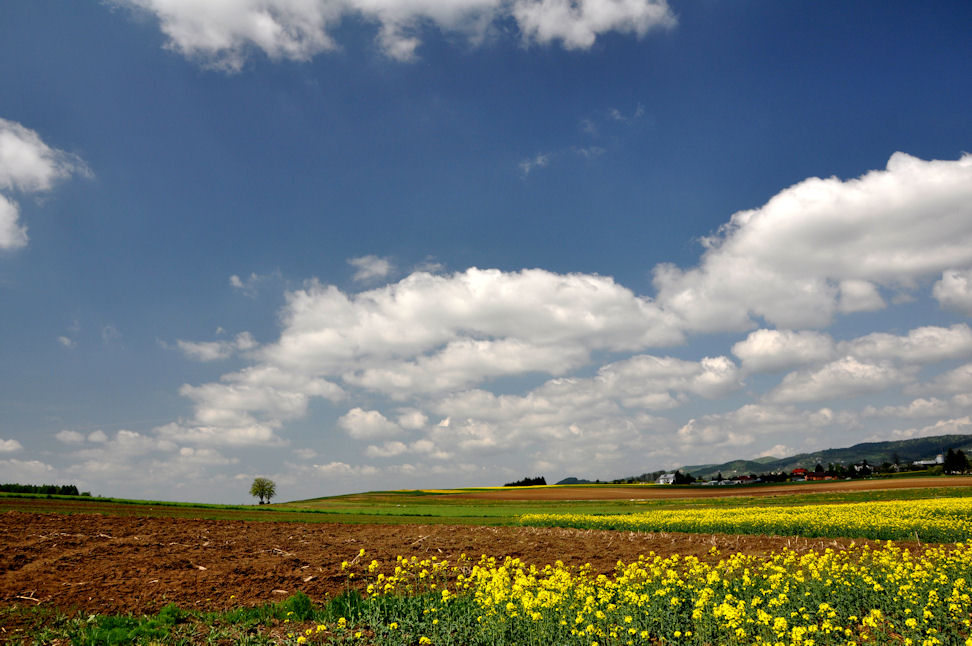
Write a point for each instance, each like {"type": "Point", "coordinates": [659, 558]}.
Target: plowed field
{"type": "Point", "coordinates": [96, 563]}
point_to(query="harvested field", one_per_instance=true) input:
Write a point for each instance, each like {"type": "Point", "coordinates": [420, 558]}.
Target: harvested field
{"type": "Point", "coordinates": [107, 564]}
{"type": "Point", "coordinates": [653, 492]}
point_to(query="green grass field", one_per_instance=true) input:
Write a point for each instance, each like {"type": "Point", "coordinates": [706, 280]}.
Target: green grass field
{"type": "Point", "coordinates": [446, 506]}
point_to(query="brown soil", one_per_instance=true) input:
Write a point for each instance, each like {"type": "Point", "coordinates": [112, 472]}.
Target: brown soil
{"type": "Point", "coordinates": [658, 492]}
{"type": "Point", "coordinates": [107, 564]}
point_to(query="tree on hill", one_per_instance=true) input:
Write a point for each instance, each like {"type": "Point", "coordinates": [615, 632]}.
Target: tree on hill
{"type": "Point", "coordinates": [263, 489]}
{"type": "Point", "coordinates": [527, 482]}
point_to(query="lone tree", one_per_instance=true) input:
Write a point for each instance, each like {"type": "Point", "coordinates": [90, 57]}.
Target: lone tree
{"type": "Point", "coordinates": [263, 489]}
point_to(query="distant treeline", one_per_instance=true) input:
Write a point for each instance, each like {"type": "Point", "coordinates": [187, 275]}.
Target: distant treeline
{"type": "Point", "coordinates": [59, 490]}
{"type": "Point", "coordinates": [527, 482]}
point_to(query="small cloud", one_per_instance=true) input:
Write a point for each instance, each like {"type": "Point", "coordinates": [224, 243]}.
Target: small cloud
{"type": "Point", "coordinates": [109, 333]}
{"type": "Point", "coordinates": [67, 342]}
{"type": "Point", "coordinates": [97, 437]}
{"type": "Point", "coordinates": [252, 285]}
{"type": "Point", "coordinates": [305, 454]}
{"type": "Point", "coordinates": [216, 350]}
{"type": "Point", "coordinates": [529, 165]}
{"type": "Point", "coordinates": [616, 115]}
{"type": "Point", "coordinates": [590, 152]}
{"type": "Point", "coordinates": [70, 437]}
{"type": "Point", "coordinates": [370, 268]}
{"type": "Point", "coordinates": [430, 265]}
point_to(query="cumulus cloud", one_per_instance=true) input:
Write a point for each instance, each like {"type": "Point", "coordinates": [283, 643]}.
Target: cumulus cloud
{"type": "Point", "coordinates": [846, 377]}
{"type": "Point", "coordinates": [28, 166]}
{"type": "Point", "coordinates": [344, 469]}
{"type": "Point", "coordinates": [750, 424]}
{"type": "Point", "coordinates": [223, 34]}
{"type": "Point", "coordinates": [370, 268]}
{"type": "Point", "coordinates": [10, 446]}
{"type": "Point", "coordinates": [954, 426]}
{"type": "Point", "coordinates": [955, 381]}
{"type": "Point", "coordinates": [332, 332]}
{"type": "Point", "coordinates": [579, 422]}
{"type": "Point", "coordinates": [425, 335]}
{"type": "Point", "coordinates": [927, 344]}
{"type": "Point", "coordinates": [774, 350]}
{"type": "Point", "coordinates": [13, 235]}
{"type": "Point", "coordinates": [367, 424]}
{"type": "Point", "coordinates": [917, 408]}
{"type": "Point", "coordinates": [69, 437]}
{"type": "Point", "coordinates": [26, 471]}
{"type": "Point", "coordinates": [826, 244]}
{"type": "Point", "coordinates": [859, 296]}
{"type": "Point", "coordinates": [954, 290]}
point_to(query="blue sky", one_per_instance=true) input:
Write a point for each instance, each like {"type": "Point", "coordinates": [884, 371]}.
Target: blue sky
{"type": "Point", "coordinates": [357, 245]}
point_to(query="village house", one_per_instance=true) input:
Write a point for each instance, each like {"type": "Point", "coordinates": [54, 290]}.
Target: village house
{"type": "Point", "coordinates": [799, 474]}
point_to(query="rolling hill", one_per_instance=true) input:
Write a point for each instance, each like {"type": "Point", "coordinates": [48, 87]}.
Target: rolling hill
{"type": "Point", "coordinates": [922, 448]}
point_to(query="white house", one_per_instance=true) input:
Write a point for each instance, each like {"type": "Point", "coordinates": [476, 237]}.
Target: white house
{"type": "Point", "coordinates": [667, 478]}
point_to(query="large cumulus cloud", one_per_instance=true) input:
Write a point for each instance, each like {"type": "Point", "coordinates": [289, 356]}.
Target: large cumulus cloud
{"type": "Point", "coordinates": [828, 245]}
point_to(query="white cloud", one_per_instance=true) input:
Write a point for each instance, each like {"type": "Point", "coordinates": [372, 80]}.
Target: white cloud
{"type": "Point", "coordinates": [124, 445]}
{"type": "Point", "coordinates": [28, 165]}
{"type": "Point", "coordinates": [69, 437]}
{"type": "Point", "coordinates": [26, 471]}
{"type": "Point", "coordinates": [247, 407]}
{"type": "Point", "coordinates": [344, 469]}
{"type": "Point", "coordinates": [217, 350]}
{"type": "Point", "coordinates": [927, 344]}
{"type": "Point", "coordinates": [955, 381]}
{"type": "Point", "coordinates": [412, 419]}
{"type": "Point", "coordinates": [859, 296]}
{"type": "Point", "coordinates": [750, 424]}
{"type": "Point", "coordinates": [916, 409]}
{"type": "Point", "coordinates": [370, 268]}
{"type": "Point", "coordinates": [10, 446]}
{"type": "Point", "coordinates": [387, 450]}
{"type": "Point", "coordinates": [425, 334]}
{"type": "Point", "coordinates": [774, 350]}
{"type": "Point", "coordinates": [955, 426]}
{"type": "Point", "coordinates": [367, 424]}
{"type": "Point", "coordinates": [67, 342]}
{"type": "Point", "coordinates": [824, 244]}
{"type": "Point", "coordinates": [223, 34]}
{"type": "Point", "coordinates": [328, 331]}
{"type": "Point", "coordinates": [252, 285]}
{"type": "Point", "coordinates": [578, 24]}
{"type": "Point", "coordinates": [954, 290]}
{"type": "Point", "coordinates": [97, 437]}
{"type": "Point", "coordinates": [13, 235]}
{"type": "Point", "coordinates": [528, 165]}
{"type": "Point", "coordinates": [846, 377]}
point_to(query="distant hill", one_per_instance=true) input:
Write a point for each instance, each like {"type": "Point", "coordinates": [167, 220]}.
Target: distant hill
{"type": "Point", "coordinates": [922, 448]}
{"type": "Point", "coordinates": [572, 480]}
